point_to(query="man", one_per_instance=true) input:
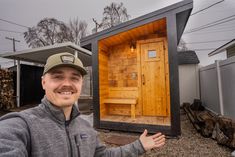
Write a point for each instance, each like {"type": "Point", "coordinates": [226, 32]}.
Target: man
{"type": "Point", "coordinates": [54, 128]}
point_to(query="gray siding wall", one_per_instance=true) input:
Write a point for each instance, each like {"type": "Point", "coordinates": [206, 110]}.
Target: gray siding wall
{"type": "Point", "coordinates": [188, 83]}
{"type": "Point", "coordinates": [231, 52]}
{"type": "Point", "coordinates": [217, 86]}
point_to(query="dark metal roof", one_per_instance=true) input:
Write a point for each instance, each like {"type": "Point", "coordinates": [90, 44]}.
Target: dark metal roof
{"type": "Point", "coordinates": [187, 57]}
{"type": "Point", "coordinates": [180, 10]}
{"type": "Point", "coordinates": [222, 48]}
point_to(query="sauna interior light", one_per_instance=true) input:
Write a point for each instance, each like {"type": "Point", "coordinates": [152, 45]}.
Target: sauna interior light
{"type": "Point", "coordinates": [132, 46]}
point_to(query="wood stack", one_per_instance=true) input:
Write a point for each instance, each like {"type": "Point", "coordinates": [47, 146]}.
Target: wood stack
{"type": "Point", "coordinates": [224, 131]}
{"type": "Point", "coordinates": [192, 116]}
{"type": "Point", "coordinates": [220, 128]}
{"type": "Point", "coordinates": [6, 90]}
{"type": "Point", "coordinates": [202, 120]}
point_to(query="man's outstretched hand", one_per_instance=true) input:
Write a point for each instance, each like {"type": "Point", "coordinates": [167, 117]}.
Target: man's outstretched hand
{"type": "Point", "coordinates": [149, 142]}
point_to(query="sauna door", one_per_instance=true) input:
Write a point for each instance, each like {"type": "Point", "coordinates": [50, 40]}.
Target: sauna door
{"type": "Point", "coordinates": [153, 79]}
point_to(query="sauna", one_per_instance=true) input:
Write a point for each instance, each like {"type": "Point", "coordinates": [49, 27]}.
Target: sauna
{"type": "Point", "coordinates": [135, 72]}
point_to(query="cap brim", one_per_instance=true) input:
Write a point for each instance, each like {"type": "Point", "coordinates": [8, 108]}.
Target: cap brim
{"type": "Point", "coordinates": [78, 68]}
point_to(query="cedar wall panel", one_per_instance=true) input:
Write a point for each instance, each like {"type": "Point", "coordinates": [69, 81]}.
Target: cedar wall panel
{"type": "Point", "coordinates": [122, 77]}
{"type": "Point", "coordinates": [122, 67]}
{"type": "Point", "coordinates": [167, 76]}
{"type": "Point", "coordinates": [103, 78]}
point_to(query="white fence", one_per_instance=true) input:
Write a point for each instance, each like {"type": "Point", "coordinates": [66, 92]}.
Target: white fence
{"type": "Point", "coordinates": [217, 87]}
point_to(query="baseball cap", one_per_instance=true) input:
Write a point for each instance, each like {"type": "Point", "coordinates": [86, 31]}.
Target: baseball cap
{"type": "Point", "coordinates": [64, 59]}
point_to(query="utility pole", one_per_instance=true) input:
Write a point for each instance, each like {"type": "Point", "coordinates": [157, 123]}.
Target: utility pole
{"type": "Point", "coordinates": [14, 48]}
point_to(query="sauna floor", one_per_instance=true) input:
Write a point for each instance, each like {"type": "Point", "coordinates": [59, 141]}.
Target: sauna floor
{"type": "Point", "coordinates": [138, 120]}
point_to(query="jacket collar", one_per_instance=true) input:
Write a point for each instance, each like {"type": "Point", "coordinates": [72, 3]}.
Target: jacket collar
{"type": "Point", "coordinates": [57, 113]}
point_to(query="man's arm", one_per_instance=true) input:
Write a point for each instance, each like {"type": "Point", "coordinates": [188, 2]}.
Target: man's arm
{"type": "Point", "coordinates": [134, 149]}
{"type": "Point", "coordinates": [14, 137]}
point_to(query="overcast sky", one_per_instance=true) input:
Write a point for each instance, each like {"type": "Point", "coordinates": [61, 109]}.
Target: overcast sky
{"type": "Point", "coordinates": [30, 12]}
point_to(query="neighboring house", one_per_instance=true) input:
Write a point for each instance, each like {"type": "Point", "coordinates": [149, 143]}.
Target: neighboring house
{"type": "Point", "coordinates": [228, 47]}
{"type": "Point", "coordinates": [188, 76]}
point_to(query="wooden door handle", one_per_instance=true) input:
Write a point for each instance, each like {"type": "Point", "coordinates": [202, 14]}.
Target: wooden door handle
{"type": "Point", "coordinates": [143, 79]}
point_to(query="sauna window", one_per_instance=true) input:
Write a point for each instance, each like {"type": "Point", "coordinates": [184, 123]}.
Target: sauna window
{"type": "Point", "coordinates": [152, 54]}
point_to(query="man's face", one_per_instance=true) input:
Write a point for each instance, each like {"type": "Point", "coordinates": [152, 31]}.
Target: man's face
{"type": "Point", "coordinates": [62, 86]}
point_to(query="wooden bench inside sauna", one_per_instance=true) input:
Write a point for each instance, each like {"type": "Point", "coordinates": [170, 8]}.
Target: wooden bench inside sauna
{"type": "Point", "coordinates": [122, 96]}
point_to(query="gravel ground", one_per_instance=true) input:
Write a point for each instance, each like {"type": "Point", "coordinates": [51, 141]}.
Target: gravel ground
{"type": "Point", "coordinates": [189, 144]}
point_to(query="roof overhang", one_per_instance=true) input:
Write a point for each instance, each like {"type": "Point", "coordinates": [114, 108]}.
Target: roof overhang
{"type": "Point", "coordinates": [222, 48]}
{"type": "Point", "coordinates": [40, 55]}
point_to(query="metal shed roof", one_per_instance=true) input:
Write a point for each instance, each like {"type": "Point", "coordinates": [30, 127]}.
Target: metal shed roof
{"type": "Point", "coordinates": [40, 55]}
{"type": "Point", "coordinates": [187, 57]}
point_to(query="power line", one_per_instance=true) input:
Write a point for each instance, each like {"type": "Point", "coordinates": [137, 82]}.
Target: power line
{"type": "Point", "coordinates": [218, 31]}
{"type": "Point", "coordinates": [203, 49]}
{"type": "Point", "coordinates": [211, 24]}
{"type": "Point", "coordinates": [227, 25]}
{"type": "Point", "coordinates": [206, 8]}
{"type": "Point", "coordinates": [4, 50]}
{"type": "Point", "coordinates": [13, 40]}
{"type": "Point", "coordinates": [223, 28]}
{"type": "Point", "coordinates": [214, 25]}
{"type": "Point", "coordinates": [14, 23]}
{"type": "Point", "coordinates": [212, 41]}
{"type": "Point", "coordinates": [4, 30]}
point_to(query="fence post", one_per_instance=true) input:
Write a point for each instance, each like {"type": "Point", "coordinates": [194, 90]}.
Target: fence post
{"type": "Point", "coordinates": [221, 102]}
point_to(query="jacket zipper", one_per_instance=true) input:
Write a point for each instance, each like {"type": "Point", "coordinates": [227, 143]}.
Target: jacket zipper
{"type": "Point", "coordinates": [69, 140]}
{"type": "Point", "coordinates": [77, 144]}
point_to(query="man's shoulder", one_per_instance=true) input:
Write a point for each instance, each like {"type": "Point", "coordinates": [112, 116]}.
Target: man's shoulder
{"type": "Point", "coordinates": [12, 118]}
{"type": "Point", "coordinates": [25, 114]}
{"type": "Point", "coordinates": [30, 111]}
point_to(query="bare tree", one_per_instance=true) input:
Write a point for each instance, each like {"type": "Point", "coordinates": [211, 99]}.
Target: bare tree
{"type": "Point", "coordinates": [182, 46]}
{"type": "Point", "coordinates": [78, 30]}
{"type": "Point", "coordinates": [50, 31]}
{"type": "Point", "coordinates": [113, 15]}
{"type": "Point", "coordinates": [47, 32]}
{"type": "Point", "coordinates": [97, 26]}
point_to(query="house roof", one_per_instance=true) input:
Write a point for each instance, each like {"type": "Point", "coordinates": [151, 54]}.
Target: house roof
{"type": "Point", "coordinates": [222, 48]}
{"type": "Point", "coordinates": [178, 12]}
{"type": "Point", "coordinates": [187, 57]}
{"type": "Point", "coordinates": [40, 55]}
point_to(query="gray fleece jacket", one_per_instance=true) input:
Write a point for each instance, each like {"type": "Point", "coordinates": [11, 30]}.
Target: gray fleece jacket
{"type": "Point", "coordinates": [43, 132]}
